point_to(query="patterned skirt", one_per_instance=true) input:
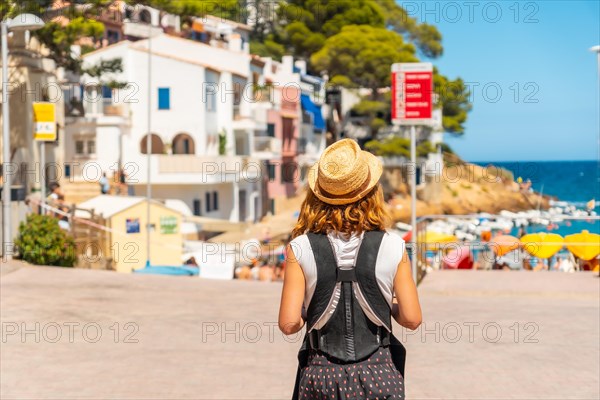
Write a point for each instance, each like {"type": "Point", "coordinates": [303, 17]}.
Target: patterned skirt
{"type": "Point", "coordinates": [373, 378]}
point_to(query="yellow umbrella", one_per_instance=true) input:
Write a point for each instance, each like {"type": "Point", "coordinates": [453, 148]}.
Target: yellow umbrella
{"type": "Point", "coordinates": [542, 245]}
{"type": "Point", "coordinates": [432, 238]}
{"type": "Point", "coordinates": [584, 245]}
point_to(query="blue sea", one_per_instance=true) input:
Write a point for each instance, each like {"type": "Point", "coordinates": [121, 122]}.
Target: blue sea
{"type": "Point", "coordinates": [576, 182]}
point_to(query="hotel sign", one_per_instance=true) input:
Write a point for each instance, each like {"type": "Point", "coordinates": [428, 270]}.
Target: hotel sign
{"type": "Point", "coordinates": [44, 118]}
{"type": "Point", "coordinates": [412, 87]}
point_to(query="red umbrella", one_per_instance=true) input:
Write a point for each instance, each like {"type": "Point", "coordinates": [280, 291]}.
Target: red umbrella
{"type": "Point", "coordinates": [459, 257]}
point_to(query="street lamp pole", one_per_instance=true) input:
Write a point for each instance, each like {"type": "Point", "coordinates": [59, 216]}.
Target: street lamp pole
{"type": "Point", "coordinates": [23, 22]}
{"type": "Point", "coordinates": [596, 49]}
{"type": "Point", "coordinates": [149, 149]}
{"type": "Point", "coordinates": [6, 188]}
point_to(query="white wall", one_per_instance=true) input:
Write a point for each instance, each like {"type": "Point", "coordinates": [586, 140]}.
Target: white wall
{"type": "Point", "coordinates": [188, 193]}
{"type": "Point", "coordinates": [178, 64]}
{"type": "Point", "coordinates": [106, 157]}
{"type": "Point", "coordinates": [181, 66]}
{"type": "Point", "coordinates": [187, 109]}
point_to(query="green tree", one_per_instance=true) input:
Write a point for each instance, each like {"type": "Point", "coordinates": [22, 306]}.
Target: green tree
{"type": "Point", "coordinates": [268, 47]}
{"type": "Point", "coordinates": [454, 100]}
{"type": "Point", "coordinates": [355, 42]}
{"type": "Point", "coordinates": [426, 37]}
{"type": "Point", "coordinates": [361, 56]}
{"type": "Point", "coordinates": [59, 38]}
{"type": "Point", "coordinates": [397, 146]}
{"type": "Point", "coordinates": [302, 24]}
{"type": "Point", "coordinates": [376, 113]}
{"type": "Point", "coordinates": [229, 9]}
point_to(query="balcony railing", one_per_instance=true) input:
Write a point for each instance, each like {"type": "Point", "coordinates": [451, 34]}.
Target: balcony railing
{"type": "Point", "coordinates": [119, 110]}
{"type": "Point", "coordinates": [140, 29]}
{"type": "Point", "coordinates": [188, 168]}
{"type": "Point", "coordinates": [266, 147]}
{"type": "Point", "coordinates": [263, 94]}
{"type": "Point", "coordinates": [105, 107]}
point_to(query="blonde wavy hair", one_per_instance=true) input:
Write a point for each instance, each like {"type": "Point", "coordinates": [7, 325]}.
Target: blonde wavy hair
{"type": "Point", "coordinates": [367, 214]}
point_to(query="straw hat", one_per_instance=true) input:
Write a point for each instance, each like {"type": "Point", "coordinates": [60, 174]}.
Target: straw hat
{"type": "Point", "coordinates": [344, 173]}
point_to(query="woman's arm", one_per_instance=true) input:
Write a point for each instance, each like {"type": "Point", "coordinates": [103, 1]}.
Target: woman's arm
{"type": "Point", "coordinates": [408, 310]}
{"type": "Point", "coordinates": [292, 296]}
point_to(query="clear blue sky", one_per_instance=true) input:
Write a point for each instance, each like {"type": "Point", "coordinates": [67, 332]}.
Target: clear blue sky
{"type": "Point", "coordinates": [551, 55]}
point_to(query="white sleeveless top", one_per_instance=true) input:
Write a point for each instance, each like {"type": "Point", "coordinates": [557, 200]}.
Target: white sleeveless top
{"type": "Point", "coordinates": [346, 250]}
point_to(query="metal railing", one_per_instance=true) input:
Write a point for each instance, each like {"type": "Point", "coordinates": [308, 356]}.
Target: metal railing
{"type": "Point", "coordinates": [425, 221]}
{"type": "Point", "coordinates": [267, 144]}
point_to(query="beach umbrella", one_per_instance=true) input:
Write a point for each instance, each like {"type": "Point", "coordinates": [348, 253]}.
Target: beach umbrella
{"type": "Point", "coordinates": [584, 245]}
{"type": "Point", "coordinates": [504, 244]}
{"type": "Point", "coordinates": [459, 257]}
{"type": "Point", "coordinates": [431, 238]}
{"type": "Point", "coordinates": [542, 245]}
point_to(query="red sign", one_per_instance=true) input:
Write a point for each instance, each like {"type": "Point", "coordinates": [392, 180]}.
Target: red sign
{"type": "Point", "coordinates": [412, 85]}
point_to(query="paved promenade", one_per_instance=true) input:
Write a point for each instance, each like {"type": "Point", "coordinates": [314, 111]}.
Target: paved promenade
{"type": "Point", "coordinates": [80, 334]}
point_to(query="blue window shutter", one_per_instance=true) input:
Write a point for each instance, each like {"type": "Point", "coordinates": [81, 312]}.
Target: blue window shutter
{"type": "Point", "coordinates": [164, 98]}
{"type": "Point", "coordinates": [106, 92]}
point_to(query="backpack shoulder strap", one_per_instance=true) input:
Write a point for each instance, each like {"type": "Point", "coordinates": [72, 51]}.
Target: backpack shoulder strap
{"type": "Point", "coordinates": [367, 279]}
{"type": "Point", "coordinates": [326, 276]}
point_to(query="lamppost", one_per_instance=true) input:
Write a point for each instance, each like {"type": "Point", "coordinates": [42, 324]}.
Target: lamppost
{"type": "Point", "coordinates": [596, 49]}
{"type": "Point", "coordinates": [23, 22]}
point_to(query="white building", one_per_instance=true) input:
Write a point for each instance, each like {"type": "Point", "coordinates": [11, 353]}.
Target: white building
{"type": "Point", "coordinates": [196, 111]}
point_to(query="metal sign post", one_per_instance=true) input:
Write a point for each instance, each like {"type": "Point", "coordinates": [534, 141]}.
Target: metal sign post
{"type": "Point", "coordinates": [412, 87]}
{"type": "Point", "coordinates": [44, 117]}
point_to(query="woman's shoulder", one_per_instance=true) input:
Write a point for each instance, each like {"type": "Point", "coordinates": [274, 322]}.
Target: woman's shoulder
{"type": "Point", "coordinates": [299, 244]}
{"type": "Point", "coordinates": [393, 237]}
{"type": "Point", "coordinates": [298, 240]}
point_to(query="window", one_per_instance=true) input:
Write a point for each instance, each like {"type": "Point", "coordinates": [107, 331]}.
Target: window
{"type": "Point", "coordinates": [288, 172]}
{"type": "Point", "coordinates": [145, 17]}
{"type": "Point", "coordinates": [215, 201]}
{"type": "Point", "coordinates": [79, 147]}
{"type": "Point", "coordinates": [112, 36]}
{"type": "Point", "coordinates": [106, 92]}
{"type": "Point", "coordinates": [91, 147]}
{"type": "Point", "coordinates": [156, 144]}
{"type": "Point", "coordinates": [164, 98]}
{"type": "Point", "coordinates": [183, 144]}
{"type": "Point", "coordinates": [197, 207]}
{"type": "Point", "coordinates": [271, 130]}
{"type": "Point", "coordinates": [210, 89]}
{"type": "Point", "coordinates": [239, 85]}
{"type": "Point", "coordinates": [207, 198]}
{"type": "Point", "coordinates": [288, 133]}
{"type": "Point", "coordinates": [271, 171]}
{"type": "Point", "coordinates": [272, 206]}
{"type": "Point", "coordinates": [107, 97]}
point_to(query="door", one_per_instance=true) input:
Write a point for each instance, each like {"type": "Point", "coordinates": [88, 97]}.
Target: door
{"type": "Point", "coordinates": [242, 205]}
